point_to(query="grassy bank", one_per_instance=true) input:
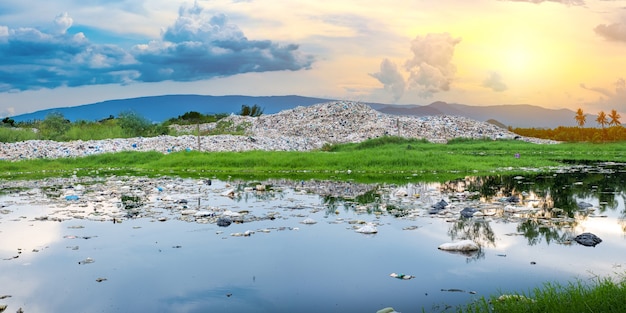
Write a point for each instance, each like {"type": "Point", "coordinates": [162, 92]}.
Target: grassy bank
{"type": "Point", "coordinates": [388, 159]}
{"type": "Point", "coordinates": [603, 295]}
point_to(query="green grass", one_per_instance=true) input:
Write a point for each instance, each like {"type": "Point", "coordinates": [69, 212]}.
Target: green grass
{"type": "Point", "coordinates": [387, 159]}
{"type": "Point", "coordinates": [16, 134]}
{"type": "Point", "coordinates": [602, 295]}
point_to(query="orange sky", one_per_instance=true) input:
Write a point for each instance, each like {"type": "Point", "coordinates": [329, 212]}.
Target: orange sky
{"type": "Point", "coordinates": [557, 54]}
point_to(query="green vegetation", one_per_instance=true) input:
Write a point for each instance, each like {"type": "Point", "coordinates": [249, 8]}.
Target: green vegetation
{"type": "Point", "coordinates": [194, 117]}
{"type": "Point", "coordinates": [128, 124]}
{"type": "Point", "coordinates": [580, 134]}
{"type": "Point", "coordinates": [603, 295]}
{"type": "Point", "coordinates": [387, 159]}
{"type": "Point", "coordinates": [254, 110]}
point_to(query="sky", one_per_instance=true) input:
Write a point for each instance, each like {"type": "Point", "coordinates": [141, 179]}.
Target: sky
{"type": "Point", "coordinates": [551, 53]}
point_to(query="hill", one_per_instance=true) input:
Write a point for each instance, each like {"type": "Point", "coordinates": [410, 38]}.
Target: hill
{"type": "Point", "coordinates": [516, 115]}
{"type": "Point", "coordinates": [160, 108]}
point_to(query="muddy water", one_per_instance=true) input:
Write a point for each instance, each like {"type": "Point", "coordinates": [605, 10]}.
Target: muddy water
{"type": "Point", "coordinates": [122, 244]}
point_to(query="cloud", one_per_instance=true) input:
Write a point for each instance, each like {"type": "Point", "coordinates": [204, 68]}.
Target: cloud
{"type": "Point", "coordinates": [391, 78]}
{"type": "Point", "coordinates": [495, 82]}
{"type": "Point", "coordinates": [611, 99]}
{"type": "Point", "coordinates": [430, 68]}
{"type": "Point", "coordinates": [63, 22]}
{"type": "Point", "coordinates": [614, 32]}
{"type": "Point", "coordinates": [198, 46]}
{"type": "Point", "coordinates": [566, 2]}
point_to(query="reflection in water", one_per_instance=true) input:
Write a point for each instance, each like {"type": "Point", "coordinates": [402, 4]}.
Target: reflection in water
{"type": "Point", "coordinates": [546, 207]}
{"type": "Point", "coordinates": [185, 262]}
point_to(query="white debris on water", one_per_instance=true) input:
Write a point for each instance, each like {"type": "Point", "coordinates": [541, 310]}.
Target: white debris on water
{"type": "Point", "coordinates": [298, 129]}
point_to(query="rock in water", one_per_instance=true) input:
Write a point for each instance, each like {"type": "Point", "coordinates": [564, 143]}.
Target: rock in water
{"type": "Point", "coordinates": [588, 239]}
{"type": "Point", "coordinates": [468, 212]}
{"type": "Point", "coordinates": [223, 222]}
{"type": "Point", "coordinates": [367, 229]}
{"type": "Point", "coordinates": [463, 245]}
{"type": "Point", "coordinates": [437, 207]}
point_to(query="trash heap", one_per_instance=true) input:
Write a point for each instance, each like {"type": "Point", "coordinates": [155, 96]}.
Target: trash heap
{"type": "Point", "coordinates": [298, 129]}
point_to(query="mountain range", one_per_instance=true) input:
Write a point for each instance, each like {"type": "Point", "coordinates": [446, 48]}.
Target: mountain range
{"type": "Point", "coordinates": [161, 108]}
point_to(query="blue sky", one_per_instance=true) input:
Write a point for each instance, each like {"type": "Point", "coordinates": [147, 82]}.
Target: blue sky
{"type": "Point", "coordinates": [557, 54]}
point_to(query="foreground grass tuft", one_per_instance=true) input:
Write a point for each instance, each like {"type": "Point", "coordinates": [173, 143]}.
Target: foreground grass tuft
{"type": "Point", "coordinates": [602, 295]}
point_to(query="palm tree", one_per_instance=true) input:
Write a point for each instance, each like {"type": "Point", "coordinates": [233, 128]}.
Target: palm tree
{"type": "Point", "coordinates": [614, 116]}
{"type": "Point", "coordinates": [580, 117]}
{"type": "Point", "coordinates": [601, 119]}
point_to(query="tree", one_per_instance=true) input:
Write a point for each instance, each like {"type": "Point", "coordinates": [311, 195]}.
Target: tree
{"type": "Point", "coordinates": [253, 111]}
{"type": "Point", "coordinates": [614, 116]}
{"type": "Point", "coordinates": [601, 119]}
{"type": "Point", "coordinates": [133, 124]}
{"type": "Point", "coordinates": [580, 117]}
{"type": "Point", "coordinates": [54, 126]}
{"type": "Point", "coordinates": [7, 121]}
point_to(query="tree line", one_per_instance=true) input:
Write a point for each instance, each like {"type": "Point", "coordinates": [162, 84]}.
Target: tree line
{"type": "Point", "coordinates": [611, 129]}
{"type": "Point", "coordinates": [127, 124]}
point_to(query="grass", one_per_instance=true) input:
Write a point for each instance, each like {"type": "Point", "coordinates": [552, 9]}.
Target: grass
{"type": "Point", "coordinates": [603, 295]}
{"type": "Point", "coordinates": [387, 159]}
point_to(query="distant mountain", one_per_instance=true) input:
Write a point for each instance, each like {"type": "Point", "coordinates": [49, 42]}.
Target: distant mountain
{"type": "Point", "coordinates": [515, 115]}
{"type": "Point", "coordinates": [161, 108]}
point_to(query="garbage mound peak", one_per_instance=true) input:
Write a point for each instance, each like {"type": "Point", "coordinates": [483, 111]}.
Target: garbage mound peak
{"type": "Point", "coordinates": [345, 121]}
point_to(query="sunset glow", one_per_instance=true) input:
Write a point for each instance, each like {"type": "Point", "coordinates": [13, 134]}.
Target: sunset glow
{"type": "Point", "coordinates": [551, 53]}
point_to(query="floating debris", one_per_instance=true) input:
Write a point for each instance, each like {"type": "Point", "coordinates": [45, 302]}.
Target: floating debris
{"type": "Point", "coordinates": [401, 276]}
{"type": "Point", "coordinates": [87, 261]}
{"type": "Point", "coordinates": [463, 245]}
{"type": "Point", "coordinates": [387, 310]}
{"type": "Point", "coordinates": [308, 221]}
{"type": "Point", "coordinates": [367, 229]}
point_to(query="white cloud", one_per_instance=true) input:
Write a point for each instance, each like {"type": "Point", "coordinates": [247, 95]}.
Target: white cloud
{"type": "Point", "coordinates": [63, 22]}
{"type": "Point", "coordinates": [391, 78]}
{"type": "Point", "coordinates": [199, 45]}
{"type": "Point", "coordinates": [431, 69]}
{"type": "Point", "coordinates": [494, 82]}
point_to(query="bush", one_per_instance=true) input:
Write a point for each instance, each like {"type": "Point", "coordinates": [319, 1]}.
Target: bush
{"type": "Point", "coordinates": [133, 124]}
{"type": "Point", "coordinates": [54, 126]}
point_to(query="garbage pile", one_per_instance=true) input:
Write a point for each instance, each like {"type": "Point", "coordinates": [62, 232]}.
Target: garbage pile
{"type": "Point", "coordinates": [298, 129]}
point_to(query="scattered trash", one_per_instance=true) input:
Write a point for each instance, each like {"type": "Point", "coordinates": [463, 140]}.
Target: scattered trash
{"type": "Point", "coordinates": [387, 310]}
{"type": "Point", "coordinates": [453, 290]}
{"type": "Point", "coordinates": [308, 221]}
{"type": "Point", "coordinates": [463, 245]}
{"type": "Point", "coordinates": [367, 229]}
{"type": "Point", "coordinates": [71, 198]}
{"type": "Point", "coordinates": [515, 298]}
{"type": "Point", "coordinates": [87, 261]}
{"type": "Point", "coordinates": [401, 276]}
